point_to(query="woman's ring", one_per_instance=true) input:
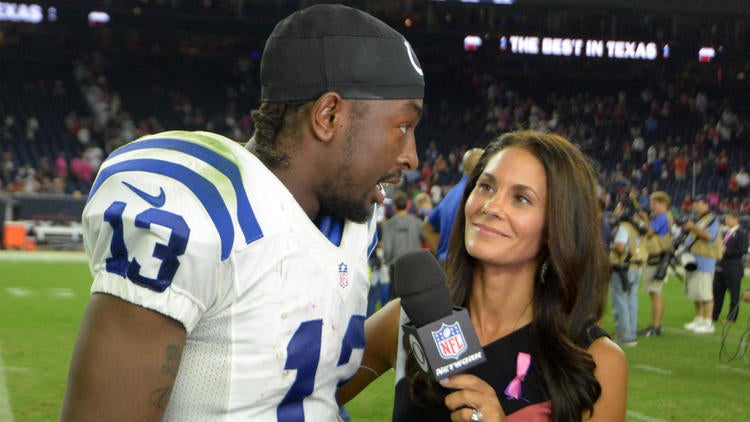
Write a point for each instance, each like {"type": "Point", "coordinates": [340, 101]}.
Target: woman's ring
{"type": "Point", "coordinates": [476, 415]}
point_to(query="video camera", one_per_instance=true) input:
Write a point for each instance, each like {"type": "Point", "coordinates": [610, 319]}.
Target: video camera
{"type": "Point", "coordinates": [679, 256]}
{"type": "Point", "coordinates": [629, 213]}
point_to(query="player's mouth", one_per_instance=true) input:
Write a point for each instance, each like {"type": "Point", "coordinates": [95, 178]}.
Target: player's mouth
{"type": "Point", "coordinates": [379, 189]}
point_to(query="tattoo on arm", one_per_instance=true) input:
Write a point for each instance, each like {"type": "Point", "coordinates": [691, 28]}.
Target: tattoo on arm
{"type": "Point", "coordinates": [172, 362]}
{"type": "Point", "coordinates": [160, 396]}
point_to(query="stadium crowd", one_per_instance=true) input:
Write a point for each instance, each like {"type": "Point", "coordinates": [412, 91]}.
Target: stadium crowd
{"type": "Point", "coordinates": [682, 132]}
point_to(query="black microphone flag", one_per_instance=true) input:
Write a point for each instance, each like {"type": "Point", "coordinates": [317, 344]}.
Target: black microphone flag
{"type": "Point", "coordinates": [441, 336]}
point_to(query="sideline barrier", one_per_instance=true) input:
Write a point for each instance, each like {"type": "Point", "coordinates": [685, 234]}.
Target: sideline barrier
{"type": "Point", "coordinates": [26, 219]}
{"type": "Point", "coordinates": [14, 235]}
{"type": "Point", "coordinates": [56, 208]}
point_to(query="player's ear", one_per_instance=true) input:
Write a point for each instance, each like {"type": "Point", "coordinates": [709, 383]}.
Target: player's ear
{"type": "Point", "coordinates": [326, 115]}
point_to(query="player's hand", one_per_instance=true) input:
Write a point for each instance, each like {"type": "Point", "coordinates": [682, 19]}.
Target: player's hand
{"type": "Point", "coordinates": [472, 393]}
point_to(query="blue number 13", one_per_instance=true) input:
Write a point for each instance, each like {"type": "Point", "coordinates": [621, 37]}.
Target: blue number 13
{"type": "Point", "coordinates": [178, 239]}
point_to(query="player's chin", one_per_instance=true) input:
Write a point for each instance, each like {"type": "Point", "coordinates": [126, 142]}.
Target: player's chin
{"type": "Point", "coordinates": [363, 214]}
{"type": "Point", "coordinates": [358, 212]}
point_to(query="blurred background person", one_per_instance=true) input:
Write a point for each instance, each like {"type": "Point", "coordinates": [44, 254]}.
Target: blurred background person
{"type": "Point", "coordinates": [439, 223]}
{"type": "Point", "coordinates": [702, 242]}
{"type": "Point", "coordinates": [402, 232]}
{"type": "Point", "coordinates": [730, 269]}
{"type": "Point", "coordinates": [658, 240]}
{"type": "Point", "coordinates": [627, 258]}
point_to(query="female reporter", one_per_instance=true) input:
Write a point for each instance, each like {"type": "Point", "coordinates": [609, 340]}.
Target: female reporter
{"type": "Point", "coordinates": [527, 260]}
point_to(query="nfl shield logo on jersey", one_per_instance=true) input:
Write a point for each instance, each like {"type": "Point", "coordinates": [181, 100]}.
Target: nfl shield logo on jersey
{"type": "Point", "coordinates": [450, 341]}
{"type": "Point", "coordinates": [343, 275]}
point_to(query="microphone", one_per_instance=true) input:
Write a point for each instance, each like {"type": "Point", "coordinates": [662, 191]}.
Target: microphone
{"type": "Point", "coordinates": [441, 336]}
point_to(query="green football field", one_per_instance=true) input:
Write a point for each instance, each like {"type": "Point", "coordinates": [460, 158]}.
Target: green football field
{"type": "Point", "coordinates": [679, 376]}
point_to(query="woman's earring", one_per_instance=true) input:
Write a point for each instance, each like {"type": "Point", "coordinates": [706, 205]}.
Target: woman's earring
{"type": "Point", "coordinates": [543, 271]}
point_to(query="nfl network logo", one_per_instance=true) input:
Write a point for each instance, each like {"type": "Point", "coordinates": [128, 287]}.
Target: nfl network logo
{"type": "Point", "coordinates": [449, 340]}
{"type": "Point", "coordinates": [343, 275]}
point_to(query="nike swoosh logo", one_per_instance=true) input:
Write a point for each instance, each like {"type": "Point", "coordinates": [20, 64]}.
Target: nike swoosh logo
{"type": "Point", "coordinates": [154, 200]}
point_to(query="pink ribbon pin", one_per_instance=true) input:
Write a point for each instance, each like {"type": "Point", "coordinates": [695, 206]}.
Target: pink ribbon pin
{"type": "Point", "coordinates": [513, 390]}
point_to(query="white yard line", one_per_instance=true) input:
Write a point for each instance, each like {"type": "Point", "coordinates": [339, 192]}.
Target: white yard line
{"type": "Point", "coordinates": [642, 417]}
{"type": "Point", "coordinates": [6, 414]}
{"type": "Point", "coordinates": [53, 292]}
{"type": "Point", "coordinates": [736, 370]}
{"type": "Point", "coordinates": [47, 256]}
{"type": "Point", "coordinates": [653, 369]}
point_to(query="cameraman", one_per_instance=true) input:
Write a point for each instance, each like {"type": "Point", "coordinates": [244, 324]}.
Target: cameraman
{"type": "Point", "coordinates": [730, 269]}
{"type": "Point", "coordinates": [699, 283]}
{"type": "Point", "coordinates": [627, 262]}
{"type": "Point", "coordinates": [658, 244]}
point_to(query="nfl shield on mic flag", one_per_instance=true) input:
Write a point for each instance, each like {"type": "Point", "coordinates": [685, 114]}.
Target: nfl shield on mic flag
{"type": "Point", "coordinates": [441, 336]}
{"type": "Point", "coordinates": [447, 346]}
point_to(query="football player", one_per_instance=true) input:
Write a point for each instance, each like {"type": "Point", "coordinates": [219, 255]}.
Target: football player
{"type": "Point", "coordinates": [230, 281]}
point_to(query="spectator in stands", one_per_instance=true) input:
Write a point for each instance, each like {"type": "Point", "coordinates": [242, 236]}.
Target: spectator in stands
{"type": "Point", "coordinates": [743, 182]}
{"type": "Point", "coordinates": [730, 269]}
{"type": "Point", "coordinates": [687, 204]}
{"type": "Point", "coordinates": [680, 164]}
{"type": "Point", "coordinates": [745, 206]}
{"type": "Point", "coordinates": [638, 147]}
{"type": "Point", "coordinates": [722, 163]}
{"type": "Point", "coordinates": [57, 186]}
{"type": "Point", "coordinates": [9, 129]}
{"type": "Point", "coordinates": [7, 168]}
{"type": "Point", "coordinates": [735, 205]}
{"type": "Point", "coordinates": [724, 205]}
{"type": "Point", "coordinates": [93, 155]}
{"type": "Point", "coordinates": [439, 225]}
{"type": "Point", "coordinates": [431, 153]}
{"type": "Point", "coordinates": [82, 173]}
{"type": "Point", "coordinates": [443, 173]}
{"type": "Point", "coordinates": [32, 127]}
{"type": "Point", "coordinates": [733, 187]}
{"type": "Point", "coordinates": [27, 180]}
{"type": "Point", "coordinates": [61, 165]}
{"type": "Point", "coordinates": [425, 177]}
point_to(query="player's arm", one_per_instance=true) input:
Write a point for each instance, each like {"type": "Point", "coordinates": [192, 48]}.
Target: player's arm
{"type": "Point", "coordinates": [124, 363]}
{"type": "Point", "coordinates": [381, 337]}
{"type": "Point", "coordinates": [612, 373]}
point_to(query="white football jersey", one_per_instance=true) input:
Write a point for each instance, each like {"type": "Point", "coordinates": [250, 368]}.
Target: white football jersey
{"type": "Point", "coordinates": [195, 227]}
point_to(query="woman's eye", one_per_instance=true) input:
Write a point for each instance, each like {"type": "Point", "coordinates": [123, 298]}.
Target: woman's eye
{"type": "Point", "coordinates": [484, 187]}
{"type": "Point", "coordinates": [523, 199]}
{"type": "Point", "coordinates": [404, 129]}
